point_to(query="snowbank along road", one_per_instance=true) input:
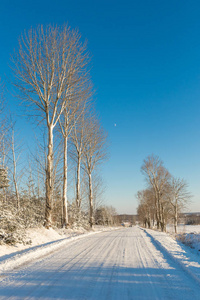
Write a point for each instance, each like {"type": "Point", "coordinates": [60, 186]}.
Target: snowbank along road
{"type": "Point", "coordinates": [122, 264]}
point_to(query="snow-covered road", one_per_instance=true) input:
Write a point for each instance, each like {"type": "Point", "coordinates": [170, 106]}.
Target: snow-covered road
{"type": "Point", "coordinates": [122, 264]}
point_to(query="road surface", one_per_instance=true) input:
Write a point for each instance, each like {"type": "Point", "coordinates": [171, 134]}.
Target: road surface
{"type": "Point", "coordinates": [121, 264]}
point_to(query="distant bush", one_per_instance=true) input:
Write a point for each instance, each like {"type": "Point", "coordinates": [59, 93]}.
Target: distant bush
{"type": "Point", "coordinates": [193, 219]}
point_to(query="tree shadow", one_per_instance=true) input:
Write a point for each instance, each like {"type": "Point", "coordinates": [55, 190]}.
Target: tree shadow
{"type": "Point", "coordinates": [99, 282]}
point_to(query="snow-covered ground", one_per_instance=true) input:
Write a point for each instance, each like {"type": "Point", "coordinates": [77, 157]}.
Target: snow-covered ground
{"type": "Point", "coordinates": [43, 242]}
{"type": "Point", "coordinates": [184, 228]}
{"type": "Point", "coordinates": [129, 263]}
{"type": "Point", "coordinates": [181, 254]}
{"type": "Point", "coordinates": [188, 235]}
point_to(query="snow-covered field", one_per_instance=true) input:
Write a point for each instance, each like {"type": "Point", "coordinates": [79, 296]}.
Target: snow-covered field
{"type": "Point", "coordinates": [128, 263]}
{"type": "Point", "coordinates": [184, 228]}
{"type": "Point", "coordinates": [188, 235]}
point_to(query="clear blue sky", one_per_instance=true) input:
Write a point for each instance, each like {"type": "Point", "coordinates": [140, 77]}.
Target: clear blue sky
{"type": "Point", "coordinates": [146, 72]}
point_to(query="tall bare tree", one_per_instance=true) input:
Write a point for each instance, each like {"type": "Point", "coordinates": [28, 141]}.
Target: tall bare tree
{"type": "Point", "coordinates": [95, 152]}
{"type": "Point", "coordinates": [157, 176]}
{"type": "Point", "coordinates": [146, 208]}
{"type": "Point", "coordinates": [79, 141]}
{"type": "Point", "coordinates": [4, 141]}
{"type": "Point", "coordinates": [14, 169]}
{"type": "Point", "coordinates": [45, 75]}
{"type": "Point", "coordinates": [75, 107]}
{"type": "Point", "coordinates": [178, 196]}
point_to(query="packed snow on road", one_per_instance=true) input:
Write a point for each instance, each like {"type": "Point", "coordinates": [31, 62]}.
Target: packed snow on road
{"type": "Point", "coordinates": [128, 263]}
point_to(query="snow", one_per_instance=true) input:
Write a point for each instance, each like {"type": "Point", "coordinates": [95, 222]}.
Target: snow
{"type": "Point", "coordinates": [190, 239]}
{"type": "Point", "coordinates": [188, 235]}
{"type": "Point", "coordinates": [38, 236]}
{"type": "Point", "coordinates": [128, 263]}
{"type": "Point", "coordinates": [182, 228]}
{"type": "Point", "coordinates": [44, 241]}
{"type": "Point", "coordinates": [187, 259]}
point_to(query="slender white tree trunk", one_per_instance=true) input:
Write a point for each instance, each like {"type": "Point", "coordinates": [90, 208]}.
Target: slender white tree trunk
{"type": "Point", "coordinates": [78, 196]}
{"type": "Point", "coordinates": [78, 171]}
{"type": "Point", "coordinates": [38, 184]}
{"type": "Point", "coordinates": [3, 165]}
{"type": "Point", "coordinates": [91, 201]}
{"type": "Point", "coordinates": [65, 212]}
{"type": "Point", "coordinates": [49, 173]}
{"type": "Point", "coordinates": [15, 172]}
{"type": "Point", "coordinates": [176, 217]}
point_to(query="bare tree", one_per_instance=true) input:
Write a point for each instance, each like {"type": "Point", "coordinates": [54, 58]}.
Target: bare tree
{"type": "Point", "coordinates": [98, 189]}
{"type": "Point", "coordinates": [94, 154]}
{"type": "Point", "coordinates": [157, 177]}
{"type": "Point", "coordinates": [75, 107]}
{"type": "Point", "coordinates": [146, 208]}
{"type": "Point", "coordinates": [79, 141]}
{"type": "Point", "coordinates": [4, 141]}
{"type": "Point", "coordinates": [104, 215]}
{"type": "Point", "coordinates": [44, 70]}
{"type": "Point", "coordinates": [14, 169]}
{"type": "Point", "coordinates": [4, 126]}
{"type": "Point", "coordinates": [178, 196]}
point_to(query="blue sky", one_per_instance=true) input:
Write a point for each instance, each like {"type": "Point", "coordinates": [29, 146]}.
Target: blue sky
{"type": "Point", "coordinates": [146, 72]}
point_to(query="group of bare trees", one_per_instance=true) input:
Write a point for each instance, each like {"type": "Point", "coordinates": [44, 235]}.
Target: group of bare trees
{"type": "Point", "coordinates": [51, 69]}
{"type": "Point", "coordinates": [165, 196]}
{"type": "Point", "coordinates": [105, 215]}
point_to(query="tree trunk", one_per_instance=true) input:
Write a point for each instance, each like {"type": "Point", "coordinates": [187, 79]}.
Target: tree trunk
{"type": "Point", "coordinates": [16, 192]}
{"type": "Point", "coordinates": [15, 172]}
{"type": "Point", "coordinates": [78, 198]}
{"type": "Point", "coordinates": [162, 219]}
{"type": "Point", "coordinates": [65, 222]}
{"type": "Point", "coordinates": [91, 201]}
{"type": "Point", "coordinates": [149, 219]}
{"type": "Point", "coordinates": [49, 173]}
{"type": "Point", "coordinates": [157, 213]}
{"type": "Point", "coordinates": [175, 219]}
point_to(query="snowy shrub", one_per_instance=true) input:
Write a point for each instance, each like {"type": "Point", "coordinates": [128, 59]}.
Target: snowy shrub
{"type": "Point", "coordinates": [32, 212]}
{"type": "Point", "coordinates": [185, 239]}
{"type": "Point", "coordinates": [14, 222]}
{"type": "Point", "coordinates": [190, 239]}
{"type": "Point", "coordinates": [12, 230]}
{"type": "Point", "coordinates": [77, 218]}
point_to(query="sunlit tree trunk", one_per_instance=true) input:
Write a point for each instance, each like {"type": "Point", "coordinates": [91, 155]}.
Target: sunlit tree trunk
{"type": "Point", "coordinates": [64, 196]}
{"type": "Point", "coordinates": [15, 172]}
{"type": "Point", "coordinates": [78, 173]}
{"type": "Point", "coordinates": [49, 174]}
{"type": "Point", "coordinates": [91, 201]}
{"type": "Point", "coordinates": [175, 216]}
